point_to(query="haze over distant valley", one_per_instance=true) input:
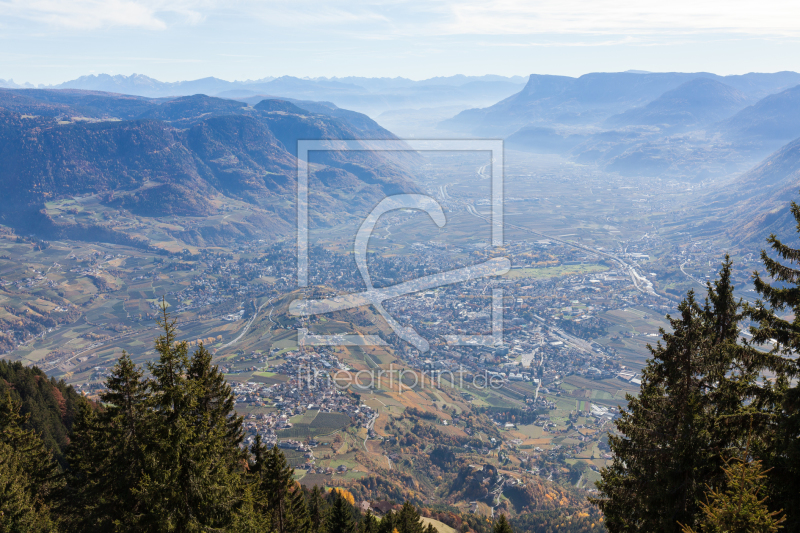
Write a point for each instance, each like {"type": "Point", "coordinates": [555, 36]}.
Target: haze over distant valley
{"type": "Point", "coordinates": [621, 192]}
{"type": "Point", "coordinates": [106, 157]}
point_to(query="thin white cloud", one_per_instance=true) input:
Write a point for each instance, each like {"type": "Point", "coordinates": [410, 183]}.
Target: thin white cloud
{"type": "Point", "coordinates": [307, 14]}
{"type": "Point", "coordinates": [532, 17]}
{"type": "Point", "coordinates": [160, 14]}
{"type": "Point", "coordinates": [495, 17]}
{"type": "Point", "coordinates": [98, 14]}
{"type": "Point", "coordinates": [627, 40]}
{"type": "Point", "coordinates": [387, 19]}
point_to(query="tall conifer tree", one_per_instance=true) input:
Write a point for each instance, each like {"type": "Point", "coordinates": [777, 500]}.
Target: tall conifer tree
{"type": "Point", "coordinates": [691, 410]}
{"type": "Point", "coordinates": [27, 473]}
{"type": "Point", "coordinates": [388, 523]}
{"type": "Point", "coordinates": [369, 524]}
{"type": "Point", "coordinates": [257, 451]}
{"type": "Point", "coordinates": [298, 519]}
{"type": "Point", "coordinates": [340, 514]}
{"type": "Point", "coordinates": [316, 510]}
{"type": "Point", "coordinates": [106, 455]}
{"type": "Point", "coordinates": [276, 480]}
{"type": "Point", "coordinates": [408, 520]}
{"type": "Point", "coordinates": [190, 482]}
{"type": "Point", "coordinates": [502, 525]}
{"type": "Point", "coordinates": [777, 318]}
{"type": "Point", "coordinates": [215, 400]}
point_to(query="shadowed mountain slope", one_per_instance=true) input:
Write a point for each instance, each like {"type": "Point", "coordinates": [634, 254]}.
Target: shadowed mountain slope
{"type": "Point", "coordinates": [179, 154]}
{"type": "Point", "coordinates": [770, 122]}
{"type": "Point", "coordinates": [695, 103]}
{"type": "Point", "coordinates": [758, 202]}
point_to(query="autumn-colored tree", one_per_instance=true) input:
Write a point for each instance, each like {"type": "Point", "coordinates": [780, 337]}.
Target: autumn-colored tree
{"type": "Point", "coordinates": [346, 494]}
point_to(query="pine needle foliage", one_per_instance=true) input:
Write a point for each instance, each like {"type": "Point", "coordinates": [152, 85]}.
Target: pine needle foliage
{"type": "Point", "coordinates": [502, 525]}
{"type": "Point", "coordinates": [163, 451]}
{"type": "Point", "coordinates": [163, 454]}
{"type": "Point", "coordinates": [27, 473]}
{"type": "Point", "coordinates": [741, 507]}
{"type": "Point", "coordinates": [340, 515]}
{"type": "Point", "coordinates": [317, 510]}
{"type": "Point", "coordinates": [696, 391]}
{"type": "Point", "coordinates": [777, 328]}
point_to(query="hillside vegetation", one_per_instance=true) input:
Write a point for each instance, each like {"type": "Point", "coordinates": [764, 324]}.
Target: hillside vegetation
{"type": "Point", "coordinates": [183, 156]}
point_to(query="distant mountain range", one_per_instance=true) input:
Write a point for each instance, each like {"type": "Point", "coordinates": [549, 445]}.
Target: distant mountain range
{"type": "Point", "coordinates": [9, 84]}
{"type": "Point", "coordinates": [161, 154]}
{"type": "Point", "coordinates": [594, 98]}
{"type": "Point", "coordinates": [368, 95]}
{"type": "Point", "coordinates": [176, 156]}
{"type": "Point", "coordinates": [687, 126]}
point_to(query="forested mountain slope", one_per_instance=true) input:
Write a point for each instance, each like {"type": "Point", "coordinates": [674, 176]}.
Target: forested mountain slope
{"type": "Point", "coordinates": [49, 404]}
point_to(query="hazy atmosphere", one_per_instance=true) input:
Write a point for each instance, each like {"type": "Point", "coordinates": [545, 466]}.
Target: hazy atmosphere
{"type": "Point", "coordinates": [51, 42]}
{"type": "Point", "coordinates": [399, 267]}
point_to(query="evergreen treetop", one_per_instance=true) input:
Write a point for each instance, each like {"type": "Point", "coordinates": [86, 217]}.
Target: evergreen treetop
{"type": "Point", "coordinates": [741, 506]}
{"type": "Point", "coordinates": [27, 473]}
{"type": "Point", "coordinates": [695, 395]}
{"type": "Point", "coordinates": [776, 329]}
{"type": "Point", "coordinates": [502, 525]}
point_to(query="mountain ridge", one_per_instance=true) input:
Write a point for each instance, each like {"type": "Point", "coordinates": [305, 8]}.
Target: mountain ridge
{"type": "Point", "coordinates": [593, 98]}
{"type": "Point", "coordinates": [177, 155]}
{"type": "Point", "coordinates": [370, 95]}
{"type": "Point", "coordinates": [773, 120]}
{"type": "Point", "coordinates": [695, 103]}
{"type": "Point", "coordinates": [757, 202]}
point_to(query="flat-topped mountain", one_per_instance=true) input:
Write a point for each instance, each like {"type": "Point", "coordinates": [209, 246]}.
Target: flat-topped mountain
{"type": "Point", "coordinates": [593, 98]}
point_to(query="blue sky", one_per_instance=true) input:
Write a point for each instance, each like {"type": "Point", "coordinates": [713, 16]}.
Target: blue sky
{"type": "Point", "coordinates": [49, 41]}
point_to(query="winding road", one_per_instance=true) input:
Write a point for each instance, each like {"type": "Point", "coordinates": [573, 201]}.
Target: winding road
{"type": "Point", "coordinates": [249, 323]}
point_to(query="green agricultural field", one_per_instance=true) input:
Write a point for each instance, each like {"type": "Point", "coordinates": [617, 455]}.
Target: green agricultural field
{"type": "Point", "coordinates": [331, 420]}
{"type": "Point", "coordinates": [313, 423]}
{"type": "Point", "coordinates": [309, 416]}
{"type": "Point", "coordinates": [601, 395]}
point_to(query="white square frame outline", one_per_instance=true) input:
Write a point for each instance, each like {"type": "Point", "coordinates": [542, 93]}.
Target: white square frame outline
{"type": "Point", "coordinates": [494, 146]}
